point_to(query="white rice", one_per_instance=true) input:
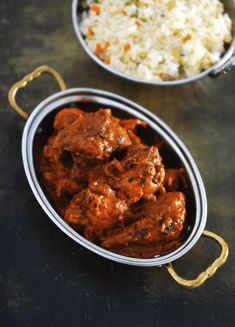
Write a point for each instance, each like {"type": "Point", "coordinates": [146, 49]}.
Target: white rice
{"type": "Point", "coordinates": [157, 39]}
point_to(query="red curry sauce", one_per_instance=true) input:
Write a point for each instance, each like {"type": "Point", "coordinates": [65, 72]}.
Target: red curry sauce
{"type": "Point", "coordinates": [110, 186]}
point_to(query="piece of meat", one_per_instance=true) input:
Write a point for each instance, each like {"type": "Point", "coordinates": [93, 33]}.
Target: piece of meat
{"type": "Point", "coordinates": [62, 179]}
{"type": "Point", "coordinates": [157, 221]}
{"type": "Point", "coordinates": [50, 152]}
{"type": "Point", "coordinates": [96, 209]}
{"type": "Point", "coordinates": [95, 135]}
{"type": "Point", "coordinates": [175, 180]}
{"type": "Point", "coordinates": [130, 125]}
{"type": "Point", "coordinates": [139, 174]}
{"type": "Point", "coordinates": [142, 175]}
{"type": "Point", "coordinates": [66, 117]}
{"type": "Point", "coordinates": [59, 171]}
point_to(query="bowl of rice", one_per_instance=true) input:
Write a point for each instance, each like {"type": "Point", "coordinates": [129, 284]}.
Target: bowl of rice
{"type": "Point", "coordinates": [161, 42]}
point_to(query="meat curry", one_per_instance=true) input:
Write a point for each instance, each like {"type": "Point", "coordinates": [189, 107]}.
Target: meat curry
{"type": "Point", "coordinates": [112, 187]}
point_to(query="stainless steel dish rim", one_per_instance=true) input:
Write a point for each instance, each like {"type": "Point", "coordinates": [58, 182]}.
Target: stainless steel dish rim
{"type": "Point", "coordinates": [216, 67]}
{"type": "Point", "coordinates": [73, 95]}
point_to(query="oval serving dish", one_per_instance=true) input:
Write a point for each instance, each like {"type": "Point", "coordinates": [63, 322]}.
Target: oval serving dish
{"type": "Point", "coordinates": [39, 126]}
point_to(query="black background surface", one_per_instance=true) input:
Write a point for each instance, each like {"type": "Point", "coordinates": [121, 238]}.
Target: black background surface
{"type": "Point", "coordinates": [46, 279]}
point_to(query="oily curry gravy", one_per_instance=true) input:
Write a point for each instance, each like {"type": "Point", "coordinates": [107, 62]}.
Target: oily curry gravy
{"type": "Point", "coordinates": [112, 187]}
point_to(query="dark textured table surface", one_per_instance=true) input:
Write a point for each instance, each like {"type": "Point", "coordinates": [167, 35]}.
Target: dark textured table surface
{"type": "Point", "coordinates": [46, 279]}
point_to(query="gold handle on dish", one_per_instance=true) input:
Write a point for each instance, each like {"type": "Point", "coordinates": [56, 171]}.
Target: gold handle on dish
{"type": "Point", "coordinates": [28, 78]}
{"type": "Point", "coordinates": [209, 272]}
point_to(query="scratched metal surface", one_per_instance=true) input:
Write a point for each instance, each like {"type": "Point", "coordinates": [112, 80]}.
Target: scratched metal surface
{"type": "Point", "coordinates": [48, 280]}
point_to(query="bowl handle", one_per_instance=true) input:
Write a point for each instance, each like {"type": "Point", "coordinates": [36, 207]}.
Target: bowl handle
{"type": "Point", "coordinates": [210, 271]}
{"type": "Point", "coordinates": [28, 78]}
